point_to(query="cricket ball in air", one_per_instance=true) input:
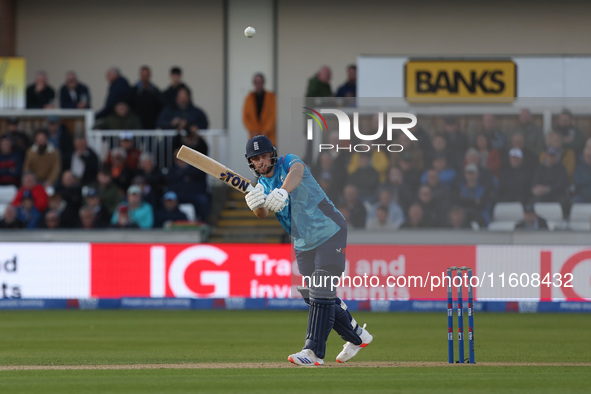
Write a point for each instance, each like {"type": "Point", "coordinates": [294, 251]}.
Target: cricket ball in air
{"type": "Point", "coordinates": [249, 31]}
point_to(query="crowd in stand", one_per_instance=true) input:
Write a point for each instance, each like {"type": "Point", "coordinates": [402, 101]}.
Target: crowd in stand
{"type": "Point", "coordinates": [450, 178]}
{"type": "Point", "coordinates": [63, 183]}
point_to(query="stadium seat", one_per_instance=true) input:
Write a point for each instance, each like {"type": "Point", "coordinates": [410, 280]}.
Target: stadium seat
{"type": "Point", "coordinates": [189, 210]}
{"type": "Point", "coordinates": [7, 193]}
{"type": "Point", "coordinates": [501, 226]}
{"type": "Point", "coordinates": [552, 212]}
{"type": "Point", "coordinates": [3, 206]}
{"type": "Point", "coordinates": [508, 211]}
{"type": "Point", "coordinates": [580, 212]}
{"type": "Point", "coordinates": [580, 226]}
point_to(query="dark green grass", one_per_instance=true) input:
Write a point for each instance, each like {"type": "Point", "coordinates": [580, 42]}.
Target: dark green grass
{"type": "Point", "coordinates": [144, 337]}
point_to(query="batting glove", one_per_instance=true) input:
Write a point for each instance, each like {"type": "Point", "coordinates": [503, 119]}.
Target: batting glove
{"type": "Point", "coordinates": [277, 200]}
{"type": "Point", "coordinates": [256, 198]}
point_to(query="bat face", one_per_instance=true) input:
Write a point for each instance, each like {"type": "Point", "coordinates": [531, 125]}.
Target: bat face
{"type": "Point", "coordinates": [235, 180]}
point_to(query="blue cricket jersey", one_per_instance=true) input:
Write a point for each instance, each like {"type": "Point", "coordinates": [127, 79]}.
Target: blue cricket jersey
{"type": "Point", "coordinates": [310, 217]}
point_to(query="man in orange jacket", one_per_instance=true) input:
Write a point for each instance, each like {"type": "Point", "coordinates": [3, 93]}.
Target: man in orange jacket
{"type": "Point", "coordinates": [259, 113]}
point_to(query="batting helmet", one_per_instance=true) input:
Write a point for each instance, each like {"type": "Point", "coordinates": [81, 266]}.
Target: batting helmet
{"type": "Point", "coordinates": [258, 145]}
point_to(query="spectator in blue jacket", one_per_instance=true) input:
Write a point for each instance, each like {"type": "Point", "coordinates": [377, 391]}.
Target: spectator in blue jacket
{"type": "Point", "coordinates": [170, 212]}
{"type": "Point", "coordinates": [73, 94]}
{"type": "Point", "coordinates": [119, 91]}
{"type": "Point", "coordinates": [182, 113]}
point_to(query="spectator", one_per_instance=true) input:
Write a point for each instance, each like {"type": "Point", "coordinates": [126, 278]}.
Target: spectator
{"type": "Point", "coordinates": [582, 182]}
{"type": "Point", "coordinates": [59, 136]}
{"type": "Point", "coordinates": [530, 159]}
{"type": "Point", "coordinates": [531, 221]}
{"type": "Point", "coordinates": [87, 218]}
{"type": "Point", "coordinates": [475, 197]}
{"type": "Point", "coordinates": [447, 175]}
{"type": "Point", "coordinates": [456, 142]}
{"type": "Point", "coordinates": [319, 84]}
{"type": "Point", "coordinates": [357, 213]}
{"type": "Point", "coordinates": [11, 163]}
{"type": "Point", "coordinates": [413, 154]}
{"type": "Point", "coordinates": [485, 176]}
{"type": "Point", "coordinates": [29, 184]}
{"type": "Point", "coordinates": [121, 119]}
{"type": "Point", "coordinates": [170, 211]}
{"type": "Point", "coordinates": [51, 220]}
{"type": "Point", "coordinates": [145, 99]}
{"type": "Point", "coordinates": [123, 219]}
{"type": "Point", "coordinates": [190, 186]}
{"type": "Point", "coordinates": [182, 113]}
{"type": "Point", "coordinates": [433, 211]}
{"type": "Point", "coordinates": [400, 191]}
{"type": "Point", "coordinates": [515, 179]}
{"type": "Point", "coordinates": [139, 212]}
{"type": "Point", "coordinates": [20, 140]}
{"type": "Point", "coordinates": [415, 217]}
{"type": "Point", "coordinates": [83, 162]}
{"type": "Point", "coordinates": [101, 215]}
{"type": "Point", "coordinates": [532, 133]}
{"type": "Point", "coordinates": [382, 220]}
{"type": "Point", "coordinates": [410, 174]}
{"type": "Point", "coordinates": [550, 182]}
{"type": "Point", "coordinates": [572, 136]}
{"type": "Point", "coordinates": [73, 94]}
{"type": "Point", "coordinates": [365, 178]}
{"type": "Point", "coordinates": [190, 137]}
{"type": "Point", "coordinates": [109, 193]}
{"type": "Point", "coordinates": [349, 88]}
{"type": "Point", "coordinates": [439, 149]}
{"type": "Point", "coordinates": [71, 192]}
{"type": "Point", "coordinates": [394, 215]}
{"type": "Point", "coordinates": [43, 159]}
{"type": "Point", "coordinates": [377, 160]}
{"type": "Point", "coordinates": [259, 112]}
{"type": "Point", "coordinates": [488, 156]}
{"type": "Point", "coordinates": [456, 219]}
{"type": "Point", "coordinates": [323, 173]}
{"type": "Point", "coordinates": [132, 154]}
{"type": "Point", "coordinates": [566, 155]}
{"type": "Point", "coordinates": [121, 174]}
{"type": "Point", "coordinates": [153, 180]}
{"type": "Point", "coordinates": [176, 83]}
{"type": "Point", "coordinates": [118, 91]}
{"type": "Point", "coordinates": [40, 95]}
{"type": "Point", "coordinates": [26, 213]}
{"type": "Point", "coordinates": [9, 219]}
{"type": "Point", "coordinates": [441, 191]}
{"type": "Point", "coordinates": [492, 132]}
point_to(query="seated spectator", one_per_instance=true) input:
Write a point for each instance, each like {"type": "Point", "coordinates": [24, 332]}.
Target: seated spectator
{"type": "Point", "coordinates": [572, 136]}
{"type": "Point", "coordinates": [566, 155]}
{"type": "Point", "coordinates": [515, 180]}
{"type": "Point", "coordinates": [132, 154]}
{"type": "Point", "coordinates": [145, 99]}
{"type": "Point", "coordinates": [109, 192]}
{"type": "Point", "coordinates": [550, 182]}
{"type": "Point", "coordinates": [357, 212]}
{"type": "Point", "coordinates": [118, 92]}
{"type": "Point", "coordinates": [29, 184]}
{"type": "Point", "coordinates": [123, 220]}
{"type": "Point", "coordinates": [9, 219]}
{"type": "Point", "coordinates": [121, 119]}
{"type": "Point", "coordinates": [26, 213]}
{"type": "Point", "coordinates": [71, 192]}
{"type": "Point", "coordinates": [533, 135]}
{"type": "Point", "coordinates": [152, 180]}
{"type": "Point", "coordinates": [11, 163]}
{"type": "Point", "coordinates": [582, 182]}
{"type": "Point", "coordinates": [51, 220]}
{"type": "Point", "coordinates": [121, 174]}
{"type": "Point", "coordinates": [395, 216]}
{"type": "Point", "coordinates": [488, 156]}
{"type": "Point", "coordinates": [20, 140]}
{"type": "Point", "coordinates": [83, 162]}
{"type": "Point", "coordinates": [456, 219]}
{"type": "Point", "coordinates": [323, 173]}
{"type": "Point", "coordinates": [73, 94]}
{"type": "Point", "coordinates": [494, 134]}
{"type": "Point", "coordinates": [433, 211]}
{"type": "Point", "coordinates": [40, 95]}
{"type": "Point", "coordinates": [349, 88]}
{"type": "Point", "coordinates": [382, 221]}
{"type": "Point", "coordinates": [138, 211]}
{"type": "Point", "coordinates": [182, 113]}
{"type": "Point", "coordinates": [365, 178]}
{"type": "Point", "coordinates": [399, 189]}
{"type": "Point", "coordinates": [441, 192]}
{"type": "Point", "coordinates": [176, 83]}
{"type": "Point", "coordinates": [57, 203]}
{"type": "Point", "coordinates": [190, 186]}
{"type": "Point", "coordinates": [170, 211]}
{"type": "Point", "coordinates": [87, 218]}
{"type": "Point", "coordinates": [93, 202]}
{"type": "Point", "coordinates": [474, 197]}
{"type": "Point", "coordinates": [43, 159]}
{"type": "Point", "coordinates": [412, 153]}
{"type": "Point", "coordinates": [530, 158]}
{"type": "Point", "coordinates": [447, 175]}
{"type": "Point", "coordinates": [190, 137]}
{"type": "Point", "coordinates": [456, 142]}
{"type": "Point", "coordinates": [410, 174]}
{"type": "Point", "coordinates": [59, 136]}
{"type": "Point", "coordinates": [439, 149]}
{"type": "Point", "coordinates": [485, 176]}
{"type": "Point", "coordinates": [376, 160]}
{"type": "Point", "coordinates": [415, 217]}
{"type": "Point", "coordinates": [531, 221]}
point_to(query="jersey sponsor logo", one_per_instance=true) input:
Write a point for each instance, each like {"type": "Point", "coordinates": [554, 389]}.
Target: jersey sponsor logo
{"type": "Point", "coordinates": [234, 180]}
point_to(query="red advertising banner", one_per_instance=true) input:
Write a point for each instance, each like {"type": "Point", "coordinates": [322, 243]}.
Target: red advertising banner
{"type": "Point", "coordinates": [181, 270]}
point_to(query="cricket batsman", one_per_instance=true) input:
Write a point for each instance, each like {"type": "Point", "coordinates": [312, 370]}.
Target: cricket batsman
{"type": "Point", "coordinates": [287, 188]}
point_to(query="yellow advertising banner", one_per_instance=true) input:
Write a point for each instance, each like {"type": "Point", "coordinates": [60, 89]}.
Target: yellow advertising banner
{"type": "Point", "coordinates": [452, 81]}
{"type": "Point", "coordinates": [12, 82]}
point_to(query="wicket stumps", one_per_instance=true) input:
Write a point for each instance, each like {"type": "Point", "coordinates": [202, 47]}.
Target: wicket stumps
{"type": "Point", "coordinates": [450, 337]}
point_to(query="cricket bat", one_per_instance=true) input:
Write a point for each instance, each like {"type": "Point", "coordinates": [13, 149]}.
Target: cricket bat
{"type": "Point", "coordinates": [213, 168]}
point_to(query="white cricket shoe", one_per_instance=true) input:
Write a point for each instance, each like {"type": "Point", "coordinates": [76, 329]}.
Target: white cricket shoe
{"type": "Point", "coordinates": [306, 358]}
{"type": "Point", "coordinates": [349, 350]}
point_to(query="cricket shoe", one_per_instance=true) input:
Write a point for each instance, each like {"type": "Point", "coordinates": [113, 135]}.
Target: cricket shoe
{"type": "Point", "coordinates": [349, 350]}
{"type": "Point", "coordinates": [306, 358]}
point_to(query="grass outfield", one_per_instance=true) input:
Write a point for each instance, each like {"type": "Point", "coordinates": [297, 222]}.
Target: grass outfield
{"type": "Point", "coordinates": [408, 354]}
